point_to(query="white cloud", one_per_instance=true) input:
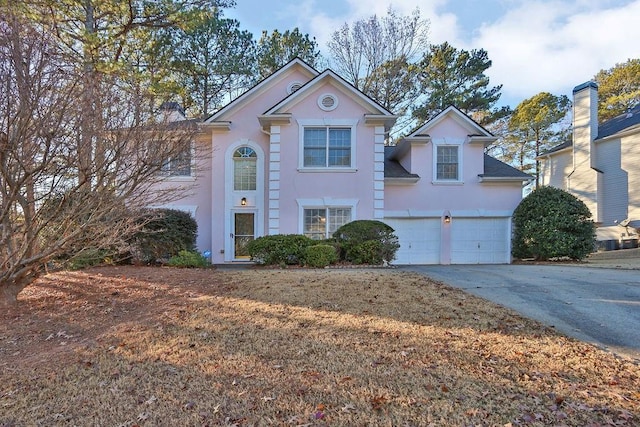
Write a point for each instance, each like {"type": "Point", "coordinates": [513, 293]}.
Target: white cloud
{"type": "Point", "coordinates": [555, 46]}
{"type": "Point", "coordinates": [535, 45]}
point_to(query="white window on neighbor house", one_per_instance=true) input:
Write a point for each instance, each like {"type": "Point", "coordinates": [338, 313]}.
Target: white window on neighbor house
{"type": "Point", "coordinates": [321, 223]}
{"type": "Point", "coordinates": [447, 164]}
{"type": "Point", "coordinates": [244, 169]}
{"type": "Point", "coordinates": [179, 165]}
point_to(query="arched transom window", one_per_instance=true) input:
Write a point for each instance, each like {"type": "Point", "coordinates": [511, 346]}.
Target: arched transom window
{"type": "Point", "coordinates": [244, 169]}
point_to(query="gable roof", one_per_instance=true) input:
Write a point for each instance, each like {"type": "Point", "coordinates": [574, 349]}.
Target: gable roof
{"type": "Point", "coordinates": [459, 116]}
{"type": "Point", "coordinates": [620, 123]}
{"type": "Point", "coordinates": [260, 87]}
{"type": "Point", "coordinates": [326, 75]}
{"type": "Point", "coordinates": [627, 121]}
{"type": "Point", "coordinates": [557, 148]}
{"type": "Point", "coordinates": [496, 170]}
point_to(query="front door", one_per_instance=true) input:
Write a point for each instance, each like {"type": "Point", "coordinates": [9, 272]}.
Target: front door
{"type": "Point", "coordinates": [244, 232]}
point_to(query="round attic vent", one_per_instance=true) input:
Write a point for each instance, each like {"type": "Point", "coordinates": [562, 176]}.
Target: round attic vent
{"type": "Point", "coordinates": [328, 102]}
{"type": "Point", "coordinates": [293, 86]}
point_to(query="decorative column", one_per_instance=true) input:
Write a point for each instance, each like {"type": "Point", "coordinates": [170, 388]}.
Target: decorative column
{"type": "Point", "coordinates": [274, 181]}
{"type": "Point", "coordinates": [378, 173]}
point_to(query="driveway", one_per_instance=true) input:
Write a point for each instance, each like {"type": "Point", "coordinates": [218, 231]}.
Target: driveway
{"type": "Point", "coordinates": [597, 305]}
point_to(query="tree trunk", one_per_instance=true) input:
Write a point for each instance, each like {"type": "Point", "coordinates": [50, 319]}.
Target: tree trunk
{"type": "Point", "coordinates": [9, 293]}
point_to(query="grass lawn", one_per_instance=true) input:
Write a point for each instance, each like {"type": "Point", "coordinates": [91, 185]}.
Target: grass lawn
{"type": "Point", "coordinates": [126, 346]}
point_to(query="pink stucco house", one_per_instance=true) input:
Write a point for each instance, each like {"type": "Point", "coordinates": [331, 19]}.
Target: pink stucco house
{"type": "Point", "coordinates": [303, 152]}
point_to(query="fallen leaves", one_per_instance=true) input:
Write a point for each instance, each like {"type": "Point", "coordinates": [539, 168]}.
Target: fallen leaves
{"type": "Point", "coordinates": [218, 348]}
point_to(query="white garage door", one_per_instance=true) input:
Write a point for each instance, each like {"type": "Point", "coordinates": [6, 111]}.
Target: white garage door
{"type": "Point", "coordinates": [480, 241]}
{"type": "Point", "coordinates": [419, 240]}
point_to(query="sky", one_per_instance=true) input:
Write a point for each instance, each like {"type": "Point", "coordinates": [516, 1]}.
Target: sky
{"type": "Point", "coordinates": [535, 46]}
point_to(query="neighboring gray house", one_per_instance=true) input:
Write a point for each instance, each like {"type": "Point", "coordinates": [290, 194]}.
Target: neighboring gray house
{"type": "Point", "coordinates": [600, 166]}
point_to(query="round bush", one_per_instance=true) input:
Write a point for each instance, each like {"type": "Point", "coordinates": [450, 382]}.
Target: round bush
{"type": "Point", "coordinates": [164, 233]}
{"type": "Point", "coordinates": [320, 256]}
{"type": "Point", "coordinates": [551, 223]}
{"type": "Point", "coordinates": [356, 233]}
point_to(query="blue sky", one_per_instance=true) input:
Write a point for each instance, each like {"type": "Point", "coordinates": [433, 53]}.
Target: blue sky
{"type": "Point", "coordinates": [535, 46]}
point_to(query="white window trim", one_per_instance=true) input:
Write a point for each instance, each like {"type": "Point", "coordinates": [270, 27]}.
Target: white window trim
{"type": "Point", "coordinates": [343, 123]}
{"type": "Point", "coordinates": [324, 203]}
{"type": "Point", "coordinates": [448, 143]}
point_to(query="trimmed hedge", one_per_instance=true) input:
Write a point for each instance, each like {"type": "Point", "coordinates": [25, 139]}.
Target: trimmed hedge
{"type": "Point", "coordinates": [355, 241]}
{"type": "Point", "coordinates": [320, 256]}
{"type": "Point", "coordinates": [551, 223]}
{"type": "Point", "coordinates": [188, 259]}
{"type": "Point", "coordinates": [279, 249]}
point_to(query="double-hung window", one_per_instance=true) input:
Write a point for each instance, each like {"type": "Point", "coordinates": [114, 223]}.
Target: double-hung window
{"type": "Point", "coordinates": [448, 163]}
{"type": "Point", "coordinates": [326, 147]}
{"type": "Point", "coordinates": [178, 165]}
{"type": "Point", "coordinates": [321, 223]}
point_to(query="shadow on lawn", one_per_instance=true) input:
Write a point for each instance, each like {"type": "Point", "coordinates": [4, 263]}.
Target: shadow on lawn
{"type": "Point", "coordinates": [297, 347]}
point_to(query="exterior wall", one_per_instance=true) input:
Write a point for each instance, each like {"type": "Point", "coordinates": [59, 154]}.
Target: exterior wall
{"type": "Point", "coordinates": [331, 187]}
{"type": "Point", "coordinates": [555, 168]}
{"type": "Point", "coordinates": [194, 191]}
{"type": "Point", "coordinates": [614, 182]}
{"type": "Point", "coordinates": [467, 198]}
{"type": "Point", "coordinates": [630, 159]}
{"type": "Point", "coordinates": [245, 130]}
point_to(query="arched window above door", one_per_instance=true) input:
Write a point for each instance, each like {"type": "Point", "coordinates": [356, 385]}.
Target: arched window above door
{"type": "Point", "coordinates": [244, 169]}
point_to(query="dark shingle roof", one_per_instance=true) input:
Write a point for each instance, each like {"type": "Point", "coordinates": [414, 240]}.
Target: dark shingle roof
{"type": "Point", "coordinates": [393, 169]}
{"type": "Point", "coordinates": [559, 147]}
{"type": "Point", "coordinates": [494, 168]}
{"type": "Point", "coordinates": [620, 123]}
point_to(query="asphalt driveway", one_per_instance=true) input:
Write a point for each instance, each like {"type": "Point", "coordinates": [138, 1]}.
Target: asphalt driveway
{"type": "Point", "coordinates": [597, 305]}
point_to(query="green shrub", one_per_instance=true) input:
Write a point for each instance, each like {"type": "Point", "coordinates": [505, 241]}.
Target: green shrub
{"type": "Point", "coordinates": [88, 257]}
{"type": "Point", "coordinates": [356, 233]}
{"type": "Point", "coordinates": [188, 259]}
{"type": "Point", "coordinates": [164, 233]}
{"type": "Point", "coordinates": [279, 249]}
{"type": "Point", "coordinates": [320, 256]}
{"type": "Point", "coordinates": [551, 223]}
{"type": "Point", "coordinates": [368, 252]}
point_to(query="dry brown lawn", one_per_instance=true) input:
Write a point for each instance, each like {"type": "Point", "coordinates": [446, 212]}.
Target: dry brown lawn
{"type": "Point", "coordinates": [126, 346]}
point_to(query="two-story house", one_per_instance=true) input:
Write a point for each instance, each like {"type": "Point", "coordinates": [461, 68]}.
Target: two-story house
{"type": "Point", "coordinates": [303, 152]}
{"type": "Point", "coordinates": [600, 166]}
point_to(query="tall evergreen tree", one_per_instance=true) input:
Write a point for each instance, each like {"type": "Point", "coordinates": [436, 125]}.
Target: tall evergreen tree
{"type": "Point", "coordinates": [276, 49]}
{"type": "Point", "coordinates": [619, 89]}
{"type": "Point", "coordinates": [451, 76]}
{"type": "Point", "coordinates": [536, 125]}
{"type": "Point", "coordinates": [214, 59]}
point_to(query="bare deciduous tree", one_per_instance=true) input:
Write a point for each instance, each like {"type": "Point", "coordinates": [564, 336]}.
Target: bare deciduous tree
{"type": "Point", "coordinates": [378, 56]}
{"type": "Point", "coordinates": [52, 204]}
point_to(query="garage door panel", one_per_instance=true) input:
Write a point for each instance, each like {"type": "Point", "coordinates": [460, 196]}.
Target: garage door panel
{"type": "Point", "coordinates": [419, 240]}
{"type": "Point", "coordinates": [480, 241]}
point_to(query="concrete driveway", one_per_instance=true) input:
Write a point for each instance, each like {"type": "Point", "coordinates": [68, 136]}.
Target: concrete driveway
{"type": "Point", "coordinates": [597, 305]}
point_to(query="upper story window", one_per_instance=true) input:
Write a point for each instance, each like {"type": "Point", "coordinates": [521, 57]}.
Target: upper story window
{"type": "Point", "coordinates": [447, 163]}
{"type": "Point", "coordinates": [326, 147]}
{"type": "Point", "coordinates": [244, 169]}
{"type": "Point", "coordinates": [178, 165]}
